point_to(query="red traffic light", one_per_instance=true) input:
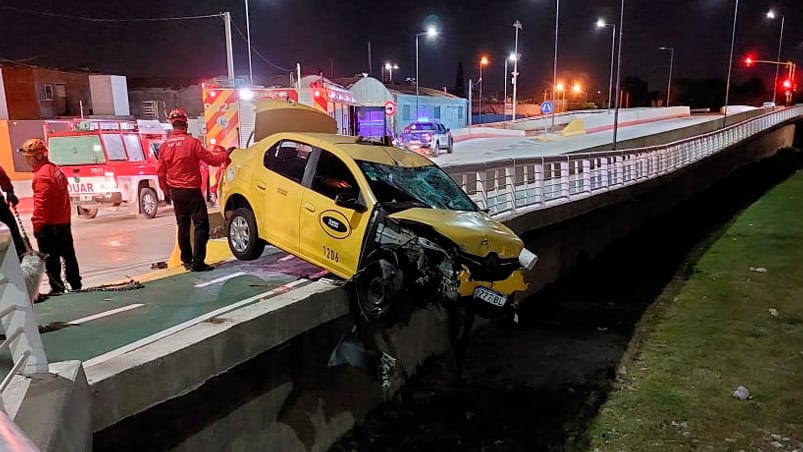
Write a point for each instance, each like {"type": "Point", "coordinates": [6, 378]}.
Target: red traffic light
{"type": "Point", "coordinates": [787, 84]}
{"type": "Point", "coordinates": [748, 61]}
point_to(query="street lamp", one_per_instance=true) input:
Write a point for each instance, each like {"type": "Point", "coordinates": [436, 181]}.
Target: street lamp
{"type": "Point", "coordinates": [517, 26]}
{"type": "Point", "coordinates": [771, 15]}
{"type": "Point", "coordinates": [390, 67]}
{"type": "Point", "coordinates": [671, 60]}
{"type": "Point", "coordinates": [555, 62]}
{"type": "Point", "coordinates": [730, 62]}
{"type": "Point", "coordinates": [430, 33]}
{"type": "Point", "coordinates": [561, 88]}
{"type": "Point", "coordinates": [602, 24]}
{"type": "Point", "coordinates": [248, 38]}
{"type": "Point", "coordinates": [618, 73]}
{"type": "Point", "coordinates": [512, 57]}
{"type": "Point", "coordinates": [483, 62]}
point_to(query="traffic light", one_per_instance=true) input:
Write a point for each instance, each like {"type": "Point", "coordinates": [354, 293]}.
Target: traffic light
{"type": "Point", "coordinates": [748, 61]}
{"type": "Point", "coordinates": [787, 84]}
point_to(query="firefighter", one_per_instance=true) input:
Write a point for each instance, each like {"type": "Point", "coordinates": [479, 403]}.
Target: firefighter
{"type": "Point", "coordinates": [6, 216]}
{"type": "Point", "coordinates": [179, 173]}
{"type": "Point", "coordinates": [51, 217]}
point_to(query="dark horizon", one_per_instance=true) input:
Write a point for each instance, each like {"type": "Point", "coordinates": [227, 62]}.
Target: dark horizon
{"type": "Point", "coordinates": [323, 38]}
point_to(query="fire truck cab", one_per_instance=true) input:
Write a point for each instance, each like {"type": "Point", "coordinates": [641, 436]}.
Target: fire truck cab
{"type": "Point", "coordinates": [108, 163]}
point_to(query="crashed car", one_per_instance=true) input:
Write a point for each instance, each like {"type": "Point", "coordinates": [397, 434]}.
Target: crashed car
{"type": "Point", "coordinates": [389, 221]}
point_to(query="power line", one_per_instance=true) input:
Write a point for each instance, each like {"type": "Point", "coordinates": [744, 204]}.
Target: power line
{"type": "Point", "coordinates": [257, 51]}
{"type": "Point", "coordinates": [97, 19]}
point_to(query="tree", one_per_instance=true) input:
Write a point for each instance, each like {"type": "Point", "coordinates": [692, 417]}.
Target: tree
{"type": "Point", "coordinates": [459, 89]}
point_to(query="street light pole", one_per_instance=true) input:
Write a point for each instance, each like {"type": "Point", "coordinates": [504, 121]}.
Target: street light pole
{"type": "Point", "coordinates": [671, 61]}
{"type": "Point", "coordinates": [517, 26]}
{"type": "Point", "coordinates": [618, 73]}
{"type": "Point", "coordinates": [601, 24]}
{"type": "Point", "coordinates": [730, 62]}
{"type": "Point", "coordinates": [771, 15]}
{"type": "Point", "coordinates": [390, 67]}
{"type": "Point", "coordinates": [431, 32]}
{"type": "Point", "coordinates": [504, 95]}
{"type": "Point", "coordinates": [555, 62]}
{"type": "Point", "coordinates": [248, 38]}
{"type": "Point", "coordinates": [483, 62]}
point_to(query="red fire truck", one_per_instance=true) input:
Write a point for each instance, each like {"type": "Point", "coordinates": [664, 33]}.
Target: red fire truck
{"type": "Point", "coordinates": [108, 163]}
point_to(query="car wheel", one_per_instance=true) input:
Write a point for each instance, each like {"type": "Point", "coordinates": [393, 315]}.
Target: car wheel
{"type": "Point", "coordinates": [89, 214]}
{"type": "Point", "coordinates": [148, 202]}
{"type": "Point", "coordinates": [436, 149]}
{"type": "Point", "coordinates": [243, 240]}
{"type": "Point", "coordinates": [379, 288]}
{"type": "Point", "coordinates": [450, 149]}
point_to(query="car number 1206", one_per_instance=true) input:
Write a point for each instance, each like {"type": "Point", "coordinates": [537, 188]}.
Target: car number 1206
{"type": "Point", "coordinates": [331, 254]}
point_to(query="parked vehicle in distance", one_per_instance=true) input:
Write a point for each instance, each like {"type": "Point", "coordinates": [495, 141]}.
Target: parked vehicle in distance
{"type": "Point", "coordinates": [389, 221]}
{"type": "Point", "coordinates": [768, 104]}
{"type": "Point", "coordinates": [108, 163]}
{"type": "Point", "coordinates": [424, 134]}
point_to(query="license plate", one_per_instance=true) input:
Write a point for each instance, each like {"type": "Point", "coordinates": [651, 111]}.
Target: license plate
{"type": "Point", "coordinates": [489, 296]}
{"type": "Point", "coordinates": [85, 198]}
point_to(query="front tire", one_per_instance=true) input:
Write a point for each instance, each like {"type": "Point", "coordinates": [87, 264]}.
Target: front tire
{"type": "Point", "coordinates": [244, 241]}
{"type": "Point", "coordinates": [148, 202]}
{"type": "Point", "coordinates": [89, 214]}
{"type": "Point", "coordinates": [436, 150]}
{"type": "Point", "coordinates": [379, 290]}
{"type": "Point", "coordinates": [450, 149]}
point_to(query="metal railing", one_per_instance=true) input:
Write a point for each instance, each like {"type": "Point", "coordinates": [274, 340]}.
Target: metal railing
{"type": "Point", "coordinates": [22, 337]}
{"type": "Point", "coordinates": [514, 186]}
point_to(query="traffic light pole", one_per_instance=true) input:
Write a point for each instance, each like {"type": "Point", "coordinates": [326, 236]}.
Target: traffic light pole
{"type": "Point", "coordinates": [789, 82]}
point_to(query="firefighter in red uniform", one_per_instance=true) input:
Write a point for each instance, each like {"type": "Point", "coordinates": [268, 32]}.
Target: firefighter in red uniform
{"type": "Point", "coordinates": [179, 173]}
{"type": "Point", "coordinates": [6, 216]}
{"type": "Point", "coordinates": [51, 217]}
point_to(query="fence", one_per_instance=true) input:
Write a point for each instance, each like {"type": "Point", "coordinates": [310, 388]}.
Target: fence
{"type": "Point", "coordinates": [514, 186]}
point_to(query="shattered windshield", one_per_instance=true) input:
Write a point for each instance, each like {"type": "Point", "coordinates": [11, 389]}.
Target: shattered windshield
{"type": "Point", "coordinates": [424, 186]}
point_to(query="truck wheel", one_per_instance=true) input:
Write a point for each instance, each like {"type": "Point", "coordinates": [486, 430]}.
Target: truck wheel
{"type": "Point", "coordinates": [89, 214]}
{"type": "Point", "coordinates": [437, 149]}
{"type": "Point", "coordinates": [243, 239]}
{"type": "Point", "coordinates": [148, 202]}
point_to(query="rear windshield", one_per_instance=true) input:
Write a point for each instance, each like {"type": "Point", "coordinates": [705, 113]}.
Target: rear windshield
{"type": "Point", "coordinates": [78, 150]}
{"type": "Point", "coordinates": [422, 126]}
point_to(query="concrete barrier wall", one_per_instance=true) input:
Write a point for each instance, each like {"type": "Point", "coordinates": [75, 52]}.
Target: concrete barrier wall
{"type": "Point", "coordinates": [477, 131]}
{"type": "Point", "coordinates": [256, 379]}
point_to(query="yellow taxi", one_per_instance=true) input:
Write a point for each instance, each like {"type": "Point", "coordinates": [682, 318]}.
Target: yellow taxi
{"type": "Point", "coordinates": [387, 220]}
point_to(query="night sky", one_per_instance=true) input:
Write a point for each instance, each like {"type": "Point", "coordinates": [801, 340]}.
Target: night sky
{"type": "Point", "coordinates": [333, 35]}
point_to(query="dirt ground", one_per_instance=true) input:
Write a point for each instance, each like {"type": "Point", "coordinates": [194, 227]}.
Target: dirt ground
{"type": "Point", "coordinates": [536, 385]}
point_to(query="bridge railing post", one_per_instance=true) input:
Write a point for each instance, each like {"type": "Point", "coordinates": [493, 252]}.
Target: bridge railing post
{"type": "Point", "coordinates": [565, 179]}
{"type": "Point", "coordinates": [587, 173]}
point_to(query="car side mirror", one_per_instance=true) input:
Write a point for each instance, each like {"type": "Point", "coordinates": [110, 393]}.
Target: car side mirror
{"type": "Point", "coordinates": [349, 201]}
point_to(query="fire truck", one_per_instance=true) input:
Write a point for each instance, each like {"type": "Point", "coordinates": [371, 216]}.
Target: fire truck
{"type": "Point", "coordinates": [229, 112]}
{"type": "Point", "coordinates": [108, 163]}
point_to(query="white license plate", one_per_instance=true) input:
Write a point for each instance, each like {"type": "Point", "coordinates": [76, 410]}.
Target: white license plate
{"type": "Point", "coordinates": [489, 296]}
{"type": "Point", "coordinates": [85, 198]}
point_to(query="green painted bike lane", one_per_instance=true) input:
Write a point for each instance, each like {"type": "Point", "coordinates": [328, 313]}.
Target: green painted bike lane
{"type": "Point", "coordinates": [158, 306]}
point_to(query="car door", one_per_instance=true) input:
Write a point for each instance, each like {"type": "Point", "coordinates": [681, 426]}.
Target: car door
{"type": "Point", "coordinates": [333, 235]}
{"type": "Point", "coordinates": [279, 181]}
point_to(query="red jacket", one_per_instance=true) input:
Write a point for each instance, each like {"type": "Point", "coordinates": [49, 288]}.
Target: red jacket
{"type": "Point", "coordinates": [51, 201]}
{"type": "Point", "coordinates": [180, 160]}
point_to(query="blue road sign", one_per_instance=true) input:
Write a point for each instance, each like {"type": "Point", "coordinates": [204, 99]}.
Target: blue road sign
{"type": "Point", "coordinates": [546, 107]}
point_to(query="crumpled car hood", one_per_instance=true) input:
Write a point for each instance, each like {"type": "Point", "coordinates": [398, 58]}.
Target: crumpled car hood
{"type": "Point", "coordinates": [476, 233]}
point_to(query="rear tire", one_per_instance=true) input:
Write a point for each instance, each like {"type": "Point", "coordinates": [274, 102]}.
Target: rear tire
{"type": "Point", "coordinates": [243, 238]}
{"type": "Point", "coordinates": [450, 149]}
{"type": "Point", "coordinates": [148, 202]}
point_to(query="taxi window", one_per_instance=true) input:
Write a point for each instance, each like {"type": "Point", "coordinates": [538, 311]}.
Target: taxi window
{"type": "Point", "coordinates": [114, 147]}
{"type": "Point", "coordinates": [289, 159]}
{"type": "Point", "coordinates": [333, 177]}
{"type": "Point", "coordinates": [134, 147]}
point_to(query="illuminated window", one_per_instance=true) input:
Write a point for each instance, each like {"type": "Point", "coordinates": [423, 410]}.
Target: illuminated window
{"type": "Point", "coordinates": [47, 92]}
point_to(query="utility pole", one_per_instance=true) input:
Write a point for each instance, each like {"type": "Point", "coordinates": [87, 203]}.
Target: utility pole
{"type": "Point", "coordinates": [229, 53]}
{"type": "Point", "coordinates": [517, 26]}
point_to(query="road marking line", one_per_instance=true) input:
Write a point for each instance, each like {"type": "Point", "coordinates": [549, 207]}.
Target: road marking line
{"type": "Point", "coordinates": [182, 326]}
{"type": "Point", "coordinates": [105, 314]}
{"type": "Point", "coordinates": [221, 279]}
